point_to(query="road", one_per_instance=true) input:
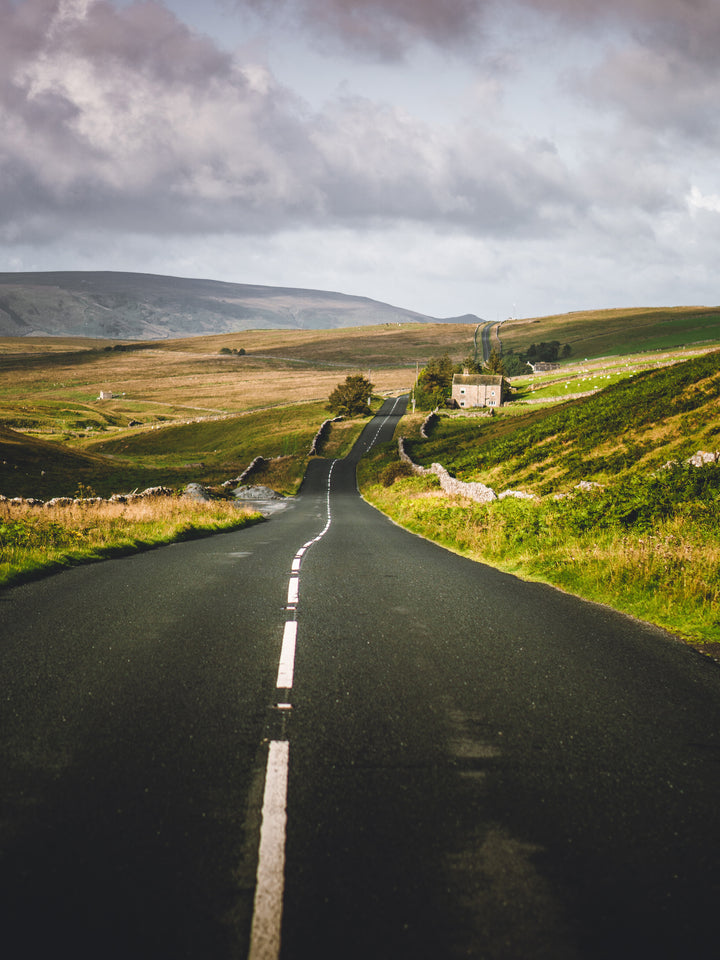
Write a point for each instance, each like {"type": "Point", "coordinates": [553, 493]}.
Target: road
{"type": "Point", "coordinates": [461, 764]}
{"type": "Point", "coordinates": [485, 334]}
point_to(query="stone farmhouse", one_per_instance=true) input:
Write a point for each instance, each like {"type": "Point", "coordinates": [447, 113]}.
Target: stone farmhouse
{"type": "Point", "coordinates": [476, 390]}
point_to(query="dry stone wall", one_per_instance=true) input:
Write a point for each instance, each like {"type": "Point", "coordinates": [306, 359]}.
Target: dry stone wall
{"type": "Point", "coordinates": [450, 485]}
{"type": "Point", "coordinates": [482, 494]}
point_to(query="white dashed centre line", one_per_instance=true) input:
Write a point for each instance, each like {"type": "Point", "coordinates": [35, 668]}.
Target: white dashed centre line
{"type": "Point", "coordinates": [269, 890]}
{"type": "Point", "coordinates": [267, 911]}
{"type": "Point", "coordinates": [293, 591]}
{"type": "Point", "coordinates": [286, 669]}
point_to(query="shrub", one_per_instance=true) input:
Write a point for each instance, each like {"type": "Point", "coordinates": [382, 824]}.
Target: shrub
{"type": "Point", "coordinates": [394, 471]}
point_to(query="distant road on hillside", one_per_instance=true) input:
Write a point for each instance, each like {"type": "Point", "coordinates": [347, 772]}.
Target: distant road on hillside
{"type": "Point", "coordinates": [451, 762]}
{"type": "Point", "coordinates": [485, 334]}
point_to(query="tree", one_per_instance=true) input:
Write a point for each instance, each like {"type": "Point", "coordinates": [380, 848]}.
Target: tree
{"type": "Point", "coordinates": [545, 352]}
{"type": "Point", "coordinates": [434, 383]}
{"type": "Point", "coordinates": [352, 398]}
{"type": "Point", "coordinates": [495, 364]}
{"type": "Point", "coordinates": [514, 365]}
{"type": "Point", "coordinates": [471, 364]}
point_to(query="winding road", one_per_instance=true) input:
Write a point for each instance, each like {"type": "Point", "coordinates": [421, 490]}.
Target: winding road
{"type": "Point", "coordinates": [322, 737]}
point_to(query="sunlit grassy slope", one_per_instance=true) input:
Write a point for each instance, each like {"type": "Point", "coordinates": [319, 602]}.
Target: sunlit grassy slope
{"type": "Point", "coordinates": [634, 425]}
{"type": "Point", "coordinates": [599, 333]}
{"type": "Point", "coordinates": [645, 537]}
{"type": "Point", "coordinates": [181, 410]}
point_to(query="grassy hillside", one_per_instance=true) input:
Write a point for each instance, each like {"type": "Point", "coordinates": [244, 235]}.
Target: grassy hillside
{"type": "Point", "coordinates": [634, 425]}
{"type": "Point", "coordinates": [644, 537]}
{"type": "Point", "coordinates": [601, 333]}
{"type": "Point", "coordinates": [146, 306]}
{"type": "Point", "coordinates": [207, 451]}
{"type": "Point", "coordinates": [49, 391]}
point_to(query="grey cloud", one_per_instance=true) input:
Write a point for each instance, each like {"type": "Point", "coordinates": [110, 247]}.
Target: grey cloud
{"type": "Point", "coordinates": [387, 28]}
{"type": "Point", "coordinates": [122, 119]}
{"type": "Point", "coordinates": [661, 70]}
{"type": "Point", "coordinates": [657, 89]}
{"type": "Point", "coordinates": [382, 29]}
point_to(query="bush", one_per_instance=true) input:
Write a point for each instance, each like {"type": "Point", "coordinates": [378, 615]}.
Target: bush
{"type": "Point", "coordinates": [394, 471]}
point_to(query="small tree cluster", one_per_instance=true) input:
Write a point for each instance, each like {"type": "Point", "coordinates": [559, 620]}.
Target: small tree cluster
{"type": "Point", "coordinates": [434, 383]}
{"type": "Point", "coordinates": [547, 352]}
{"type": "Point", "coordinates": [495, 365]}
{"type": "Point", "coordinates": [226, 351]}
{"type": "Point", "coordinates": [351, 398]}
{"type": "Point", "coordinates": [514, 364]}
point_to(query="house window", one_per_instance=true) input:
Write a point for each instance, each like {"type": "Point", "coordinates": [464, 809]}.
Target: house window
{"type": "Point", "coordinates": [462, 389]}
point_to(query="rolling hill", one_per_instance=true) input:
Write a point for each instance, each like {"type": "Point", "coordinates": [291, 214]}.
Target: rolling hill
{"type": "Point", "coordinates": [136, 306]}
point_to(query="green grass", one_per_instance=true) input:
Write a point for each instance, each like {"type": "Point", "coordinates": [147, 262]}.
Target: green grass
{"type": "Point", "coordinates": [602, 333]}
{"type": "Point", "coordinates": [209, 451]}
{"type": "Point", "coordinates": [666, 572]}
{"type": "Point", "coordinates": [637, 423]}
{"type": "Point", "coordinates": [645, 541]}
{"type": "Point", "coordinates": [650, 551]}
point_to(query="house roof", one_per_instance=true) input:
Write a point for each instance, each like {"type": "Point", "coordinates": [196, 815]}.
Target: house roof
{"type": "Point", "coordinates": [477, 380]}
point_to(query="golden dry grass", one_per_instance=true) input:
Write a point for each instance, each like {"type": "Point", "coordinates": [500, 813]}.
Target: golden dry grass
{"type": "Point", "coordinates": [177, 379]}
{"type": "Point", "coordinates": [34, 538]}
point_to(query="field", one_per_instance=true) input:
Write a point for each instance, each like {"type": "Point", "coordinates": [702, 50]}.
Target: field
{"type": "Point", "coordinates": [181, 411]}
{"type": "Point", "coordinates": [604, 333]}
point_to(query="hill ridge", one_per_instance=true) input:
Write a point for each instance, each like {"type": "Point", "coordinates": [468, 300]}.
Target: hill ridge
{"type": "Point", "coordinates": [121, 305]}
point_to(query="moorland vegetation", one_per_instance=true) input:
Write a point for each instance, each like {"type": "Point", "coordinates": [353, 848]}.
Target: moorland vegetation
{"type": "Point", "coordinates": [615, 511]}
{"type": "Point", "coordinates": [642, 537]}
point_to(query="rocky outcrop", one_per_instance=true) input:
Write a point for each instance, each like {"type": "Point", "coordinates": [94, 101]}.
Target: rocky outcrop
{"type": "Point", "coordinates": [517, 495]}
{"type": "Point", "coordinates": [257, 493]}
{"type": "Point", "coordinates": [702, 457]}
{"type": "Point", "coordinates": [197, 492]}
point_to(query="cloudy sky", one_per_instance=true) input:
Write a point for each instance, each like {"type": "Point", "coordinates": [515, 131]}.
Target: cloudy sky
{"type": "Point", "coordinates": [499, 157]}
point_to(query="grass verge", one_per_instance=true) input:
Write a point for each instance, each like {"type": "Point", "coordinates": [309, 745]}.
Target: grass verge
{"type": "Point", "coordinates": [666, 572]}
{"type": "Point", "coordinates": [38, 540]}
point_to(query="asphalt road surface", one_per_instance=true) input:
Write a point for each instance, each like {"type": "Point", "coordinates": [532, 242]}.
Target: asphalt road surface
{"type": "Point", "coordinates": [485, 340]}
{"type": "Point", "coordinates": [324, 736]}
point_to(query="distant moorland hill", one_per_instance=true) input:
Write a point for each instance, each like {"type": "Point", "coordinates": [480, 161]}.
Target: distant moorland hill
{"type": "Point", "coordinates": [136, 306]}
